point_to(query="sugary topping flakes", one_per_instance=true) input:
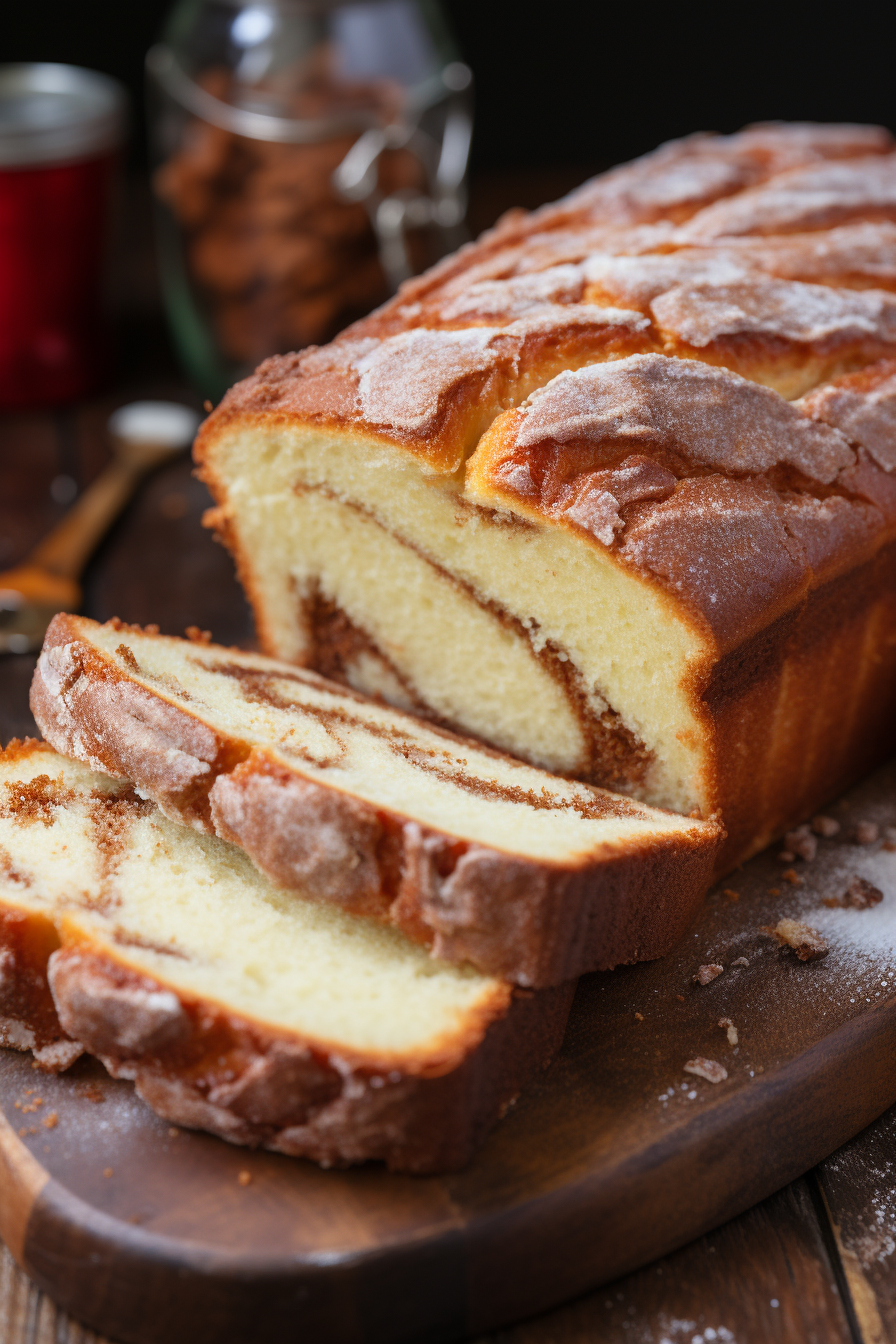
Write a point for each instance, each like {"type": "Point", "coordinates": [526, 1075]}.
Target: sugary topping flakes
{"type": "Point", "coordinates": [713, 417]}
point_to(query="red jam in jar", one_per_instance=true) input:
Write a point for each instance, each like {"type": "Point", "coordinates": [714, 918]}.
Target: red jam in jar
{"type": "Point", "coordinates": [60, 132]}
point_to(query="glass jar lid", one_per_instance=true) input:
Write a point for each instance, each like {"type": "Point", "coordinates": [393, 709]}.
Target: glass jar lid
{"type": "Point", "coordinates": [56, 113]}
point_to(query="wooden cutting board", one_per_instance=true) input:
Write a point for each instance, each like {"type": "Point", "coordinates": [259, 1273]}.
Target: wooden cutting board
{"type": "Point", "coordinates": [154, 1235]}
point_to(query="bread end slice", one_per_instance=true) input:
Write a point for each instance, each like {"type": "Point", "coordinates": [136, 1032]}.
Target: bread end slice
{"type": "Point", "coordinates": [235, 1007]}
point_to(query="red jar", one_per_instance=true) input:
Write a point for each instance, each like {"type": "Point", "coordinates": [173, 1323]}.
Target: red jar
{"type": "Point", "coordinates": [60, 132]}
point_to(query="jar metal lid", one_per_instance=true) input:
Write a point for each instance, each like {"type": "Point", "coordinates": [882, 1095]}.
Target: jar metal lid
{"type": "Point", "coordinates": [57, 113]}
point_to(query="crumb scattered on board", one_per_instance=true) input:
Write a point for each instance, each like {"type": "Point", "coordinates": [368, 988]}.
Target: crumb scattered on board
{"type": "Point", "coordinates": [710, 1069]}
{"type": "Point", "coordinates": [707, 973]}
{"type": "Point", "coordinates": [805, 941]}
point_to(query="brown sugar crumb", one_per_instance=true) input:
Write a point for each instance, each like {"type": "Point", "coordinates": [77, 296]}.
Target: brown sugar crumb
{"type": "Point", "coordinates": [861, 895]}
{"type": "Point", "coordinates": [90, 1092]}
{"type": "Point", "coordinates": [801, 843]}
{"type": "Point", "coordinates": [710, 1069]}
{"type": "Point", "coordinates": [639, 1017]}
{"type": "Point", "coordinates": [741, 961]}
{"type": "Point", "coordinates": [126, 655]}
{"type": "Point", "coordinates": [826, 826]}
{"type": "Point", "coordinates": [792, 876]}
{"type": "Point", "coordinates": [774, 891]}
{"type": "Point", "coordinates": [51, 1120]}
{"type": "Point", "coordinates": [866, 833]}
{"type": "Point", "coordinates": [244, 1178]}
{"type": "Point", "coordinates": [197, 636]}
{"type": "Point", "coordinates": [680, 998]}
{"type": "Point", "coordinates": [707, 973]}
{"type": "Point", "coordinates": [731, 1029]}
{"type": "Point", "coordinates": [731, 895]}
{"type": "Point", "coordinates": [107, 1172]}
{"type": "Point", "coordinates": [806, 942]}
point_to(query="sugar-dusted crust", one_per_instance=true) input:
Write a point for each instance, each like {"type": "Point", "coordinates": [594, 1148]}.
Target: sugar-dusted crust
{"type": "Point", "coordinates": [200, 1066]}
{"type": "Point", "coordinates": [762, 268]}
{"type": "Point", "coordinates": [534, 923]}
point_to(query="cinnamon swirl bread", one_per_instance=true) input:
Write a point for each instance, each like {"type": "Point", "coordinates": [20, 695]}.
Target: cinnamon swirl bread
{"type": "Point", "coordinates": [487, 860]}
{"type": "Point", "coordinates": [614, 488]}
{"type": "Point", "coordinates": [235, 1007]}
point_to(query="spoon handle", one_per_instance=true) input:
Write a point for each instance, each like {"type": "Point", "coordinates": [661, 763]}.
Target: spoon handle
{"type": "Point", "coordinates": [67, 548]}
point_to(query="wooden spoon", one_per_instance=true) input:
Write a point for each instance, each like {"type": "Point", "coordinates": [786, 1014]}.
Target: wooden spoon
{"type": "Point", "coordinates": [144, 434]}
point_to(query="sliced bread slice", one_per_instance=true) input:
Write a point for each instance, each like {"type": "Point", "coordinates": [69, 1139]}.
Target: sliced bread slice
{"type": "Point", "coordinates": [525, 875]}
{"type": "Point", "coordinates": [234, 1006]}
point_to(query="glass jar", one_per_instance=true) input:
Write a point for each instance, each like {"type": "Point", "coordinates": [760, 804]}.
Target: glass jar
{"type": "Point", "coordinates": [309, 156]}
{"type": "Point", "coordinates": [61, 130]}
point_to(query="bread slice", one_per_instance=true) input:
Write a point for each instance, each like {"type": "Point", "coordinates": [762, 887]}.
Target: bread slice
{"type": "Point", "coordinates": [525, 875]}
{"type": "Point", "coordinates": [256, 1015]}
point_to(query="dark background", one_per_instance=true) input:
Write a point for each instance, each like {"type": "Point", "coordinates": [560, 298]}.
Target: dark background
{"type": "Point", "coordinates": [560, 83]}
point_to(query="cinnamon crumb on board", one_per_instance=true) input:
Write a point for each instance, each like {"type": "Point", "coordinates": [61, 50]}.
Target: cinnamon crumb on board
{"type": "Point", "coordinates": [801, 843]}
{"type": "Point", "coordinates": [707, 973]}
{"type": "Point", "coordinates": [710, 1069]}
{"type": "Point", "coordinates": [859, 895]}
{"type": "Point", "coordinates": [732, 895]}
{"type": "Point", "coordinates": [107, 1171]}
{"type": "Point", "coordinates": [805, 941]}
{"type": "Point", "coordinates": [244, 1178]}
{"type": "Point", "coordinates": [826, 826]}
{"type": "Point", "coordinates": [639, 1017]}
{"type": "Point", "coordinates": [51, 1120]}
{"type": "Point", "coordinates": [792, 876]}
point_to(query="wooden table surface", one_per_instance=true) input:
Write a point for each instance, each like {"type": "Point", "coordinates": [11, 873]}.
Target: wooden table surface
{"type": "Point", "coordinates": [813, 1263]}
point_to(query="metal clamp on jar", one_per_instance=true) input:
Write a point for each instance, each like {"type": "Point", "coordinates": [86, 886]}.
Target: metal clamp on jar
{"type": "Point", "coordinates": [309, 157]}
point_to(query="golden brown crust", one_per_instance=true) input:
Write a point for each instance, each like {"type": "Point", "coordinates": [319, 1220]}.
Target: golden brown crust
{"type": "Point", "coordinates": [771, 254]}
{"type": "Point", "coordinates": [533, 923]}
{"type": "Point", "coordinates": [202, 1067]}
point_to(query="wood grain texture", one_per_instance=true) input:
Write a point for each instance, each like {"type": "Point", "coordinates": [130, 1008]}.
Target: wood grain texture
{"type": "Point", "coordinates": [858, 1184]}
{"type": "Point", "coordinates": [763, 1278]}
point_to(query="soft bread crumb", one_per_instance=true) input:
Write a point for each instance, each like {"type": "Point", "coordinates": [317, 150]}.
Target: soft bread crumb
{"type": "Point", "coordinates": [801, 843]}
{"type": "Point", "coordinates": [826, 826]}
{"type": "Point", "coordinates": [805, 941]}
{"type": "Point", "coordinates": [861, 895]}
{"type": "Point", "coordinates": [707, 973]}
{"type": "Point", "coordinates": [731, 1029]}
{"type": "Point", "coordinates": [710, 1069]}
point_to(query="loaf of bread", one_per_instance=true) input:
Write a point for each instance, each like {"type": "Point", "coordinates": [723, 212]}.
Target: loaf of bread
{"type": "Point", "coordinates": [614, 488]}
{"type": "Point", "coordinates": [235, 1007]}
{"type": "Point", "coordinates": [527, 876]}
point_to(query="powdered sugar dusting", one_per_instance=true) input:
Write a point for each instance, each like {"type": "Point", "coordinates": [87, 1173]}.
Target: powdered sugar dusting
{"type": "Point", "coordinates": [637, 280]}
{"type": "Point", "coordinates": [864, 415]}
{"type": "Point", "coordinates": [806, 198]}
{"type": "Point", "coordinates": [764, 306]}
{"type": "Point", "coordinates": [713, 416]}
{"type": "Point", "coordinates": [518, 295]}
{"type": "Point", "coordinates": [866, 250]}
{"type": "Point", "coordinates": [404, 378]}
